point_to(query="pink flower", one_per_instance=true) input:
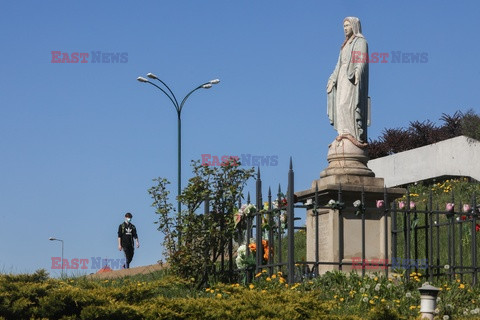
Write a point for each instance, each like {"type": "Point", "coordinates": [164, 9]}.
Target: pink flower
{"type": "Point", "coordinates": [466, 208]}
{"type": "Point", "coordinates": [450, 207]}
{"type": "Point", "coordinates": [401, 205]}
{"type": "Point", "coordinates": [380, 204]}
{"type": "Point", "coordinates": [412, 205]}
{"type": "Point", "coordinates": [237, 218]}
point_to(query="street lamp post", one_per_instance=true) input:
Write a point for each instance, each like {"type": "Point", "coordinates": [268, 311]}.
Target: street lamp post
{"type": "Point", "coordinates": [55, 239]}
{"type": "Point", "coordinates": [178, 108]}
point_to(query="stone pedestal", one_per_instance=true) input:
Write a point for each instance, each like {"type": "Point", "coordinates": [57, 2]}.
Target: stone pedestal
{"type": "Point", "coordinates": [351, 174]}
{"type": "Point", "coordinates": [329, 243]}
{"type": "Point", "coordinates": [346, 156]}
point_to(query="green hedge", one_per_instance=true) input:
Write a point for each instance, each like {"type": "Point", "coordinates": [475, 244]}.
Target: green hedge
{"type": "Point", "coordinates": [335, 296]}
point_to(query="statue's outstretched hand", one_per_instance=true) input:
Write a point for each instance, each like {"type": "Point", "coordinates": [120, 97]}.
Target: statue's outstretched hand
{"type": "Point", "coordinates": [329, 86]}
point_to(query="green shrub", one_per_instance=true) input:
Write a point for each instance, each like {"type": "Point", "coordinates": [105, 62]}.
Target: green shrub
{"type": "Point", "coordinates": [334, 295]}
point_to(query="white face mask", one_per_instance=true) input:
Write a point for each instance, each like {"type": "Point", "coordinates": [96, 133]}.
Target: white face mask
{"type": "Point", "coordinates": [128, 220]}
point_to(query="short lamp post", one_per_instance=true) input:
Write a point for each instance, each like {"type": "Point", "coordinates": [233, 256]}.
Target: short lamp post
{"type": "Point", "coordinates": [178, 108]}
{"type": "Point", "coordinates": [428, 300]}
{"type": "Point", "coordinates": [55, 239]}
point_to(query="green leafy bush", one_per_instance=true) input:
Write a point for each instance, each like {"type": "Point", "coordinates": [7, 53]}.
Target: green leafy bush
{"type": "Point", "coordinates": [334, 295]}
{"type": "Point", "coordinates": [194, 242]}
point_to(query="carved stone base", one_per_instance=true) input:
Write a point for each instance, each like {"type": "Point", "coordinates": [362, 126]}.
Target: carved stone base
{"type": "Point", "coordinates": [329, 247]}
{"type": "Point", "coordinates": [347, 170]}
{"type": "Point", "coordinates": [328, 226]}
{"type": "Point", "coordinates": [346, 158]}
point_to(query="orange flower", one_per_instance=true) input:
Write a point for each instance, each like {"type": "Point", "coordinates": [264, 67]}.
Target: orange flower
{"type": "Point", "coordinates": [253, 248]}
{"type": "Point", "coordinates": [265, 249]}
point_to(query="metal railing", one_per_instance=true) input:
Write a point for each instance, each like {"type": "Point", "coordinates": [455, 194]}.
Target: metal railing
{"type": "Point", "coordinates": [445, 242]}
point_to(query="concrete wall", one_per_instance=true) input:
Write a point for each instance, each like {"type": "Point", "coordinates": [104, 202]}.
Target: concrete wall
{"type": "Point", "coordinates": [458, 156]}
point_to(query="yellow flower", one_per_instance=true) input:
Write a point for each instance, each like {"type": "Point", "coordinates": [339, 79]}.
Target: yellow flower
{"type": "Point", "coordinates": [383, 300]}
{"type": "Point", "coordinates": [251, 286]}
{"type": "Point", "coordinates": [264, 271]}
{"type": "Point", "coordinates": [375, 279]}
{"type": "Point", "coordinates": [279, 273]}
{"type": "Point", "coordinates": [207, 290]}
{"type": "Point", "coordinates": [461, 286]}
{"type": "Point", "coordinates": [412, 307]}
{"type": "Point", "coordinates": [218, 295]}
{"type": "Point", "coordinates": [258, 275]}
{"type": "Point", "coordinates": [342, 299]}
{"type": "Point", "coordinates": [335, 297]}
{"type": "Point", "coordinates": [282, 280]}
{"type": "Point", "coordinates": [371, 302]}
{"type": "Point", "coordinates": [268, 279]}
{"type": "Point", "coordinates": [263, 291]}
{"type": "Point", "coordinates": [274, 276]}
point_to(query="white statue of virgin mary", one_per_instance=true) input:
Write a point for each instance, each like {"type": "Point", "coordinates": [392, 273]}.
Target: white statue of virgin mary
{"type": "Point", "coordinates": [347, 88]}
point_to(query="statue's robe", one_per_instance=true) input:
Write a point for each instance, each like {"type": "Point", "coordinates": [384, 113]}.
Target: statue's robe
{"type": "Point", "coordinates": [347, 103]}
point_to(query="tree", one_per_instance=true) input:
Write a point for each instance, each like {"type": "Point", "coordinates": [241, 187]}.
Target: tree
{"type": "Point", "coordinates": [205, 237]}
{"type": "Point", "coordinates": [420, 134]}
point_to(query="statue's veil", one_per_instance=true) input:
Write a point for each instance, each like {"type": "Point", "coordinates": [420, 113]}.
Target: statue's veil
{"type": "Point", "coordinates": [356, 26]}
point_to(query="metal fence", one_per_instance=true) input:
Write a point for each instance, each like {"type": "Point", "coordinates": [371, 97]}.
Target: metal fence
{"type": "Point", "coordinates": [436, 243]}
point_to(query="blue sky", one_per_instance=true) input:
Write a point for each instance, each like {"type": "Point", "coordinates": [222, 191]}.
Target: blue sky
{"type": "Point", "coordinates": [80, 143]}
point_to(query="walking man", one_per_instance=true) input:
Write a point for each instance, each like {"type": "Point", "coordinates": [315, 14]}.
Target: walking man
{"type": "Point", "coordinates": [126, 233]}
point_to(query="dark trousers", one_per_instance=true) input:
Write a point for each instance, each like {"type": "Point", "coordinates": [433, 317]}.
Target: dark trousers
{"type": "Point", "coordinates": [128, 250]}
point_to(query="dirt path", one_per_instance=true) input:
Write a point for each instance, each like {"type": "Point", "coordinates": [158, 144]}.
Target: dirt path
{"type": "Point", "coordinates": [126, 272]}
